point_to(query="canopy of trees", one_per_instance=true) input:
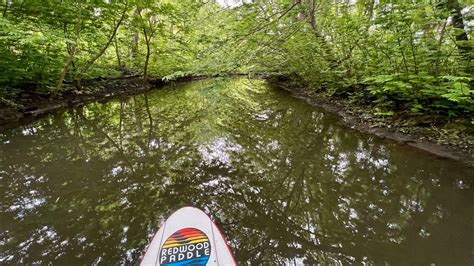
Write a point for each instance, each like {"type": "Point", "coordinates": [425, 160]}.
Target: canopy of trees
{"type": "Point", "coordinates": [401, 55]}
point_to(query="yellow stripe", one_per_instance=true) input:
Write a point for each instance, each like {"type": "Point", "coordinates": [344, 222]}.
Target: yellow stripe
{"type": "Point", "coordinates": [191, 242]}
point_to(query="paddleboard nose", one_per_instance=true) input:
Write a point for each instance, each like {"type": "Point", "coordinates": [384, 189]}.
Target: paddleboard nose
{"type": "Point", "coordinates": [188, 237]}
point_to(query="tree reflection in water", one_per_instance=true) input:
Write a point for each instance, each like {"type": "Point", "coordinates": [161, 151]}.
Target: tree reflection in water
{"type": "Point", "coordinates": [284, 181]}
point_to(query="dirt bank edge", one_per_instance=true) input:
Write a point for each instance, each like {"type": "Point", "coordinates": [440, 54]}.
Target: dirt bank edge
{"type": "Point", "coordinates": [29, 106]}
{"type": "Point", "coordinates": [418, 140]}
{"type": "Point", "coordinates": [99, 90]}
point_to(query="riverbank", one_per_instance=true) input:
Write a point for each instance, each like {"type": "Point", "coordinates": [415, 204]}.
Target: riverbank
{"type": "Point", "coordinates": [453, 140]}
{"type": "Point", "coordinates": [29, 105]}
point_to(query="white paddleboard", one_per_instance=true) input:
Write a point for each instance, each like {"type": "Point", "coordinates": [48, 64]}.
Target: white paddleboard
{"type": "Point", "coordinates": [188, 237]}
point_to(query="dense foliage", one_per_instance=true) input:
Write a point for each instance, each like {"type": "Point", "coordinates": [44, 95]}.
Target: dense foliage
{"type": "Point", "coordinates": [409, 56]}
{"type": "Point", "coordinates": [47, 42]}
{"type": "Point", "coordinates": [413, 56]}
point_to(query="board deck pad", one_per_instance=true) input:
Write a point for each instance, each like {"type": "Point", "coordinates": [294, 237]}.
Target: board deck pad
{"type": "Point", "coordinates": [188, 237]}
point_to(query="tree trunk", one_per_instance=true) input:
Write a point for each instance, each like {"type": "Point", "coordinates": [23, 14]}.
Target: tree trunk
{"type": "Point", "coordinates": [294, 3]}
{"type": "Point", "coordinates": [5, 9]}
{"type": "Point", "coordinates": [104, 48]}
{"type": "Point", "coordinates": [301, 13]}
{"type": "Point", "coordinates": [310, 7]}
{"type": "Point", "coordinates": [147, 59]}
{"type": "Point", "coordinates": [134, 45]}
{"type": "Point", "coordinates": [65, 68]}
{"type": "Point", "coordinates": [68, 46]}
{"type": "Point", "coordinates": [148, 35]}
{"type": "Point", "coordinates": [465, 49]}
{"type": "Point", "coordinates": [71, 52]}
{"type": "Point", "coordinates": [135, 37]}
{"type": "Point", "coordinates": [370, 9]}
{"type": "Point", "coordinates": [312, 13]}
{"type": "Point", "coordinates": [117, 53]}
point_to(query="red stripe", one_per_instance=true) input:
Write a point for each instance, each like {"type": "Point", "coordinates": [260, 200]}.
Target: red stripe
{"type": "Point", "coordinates": [188, 230]}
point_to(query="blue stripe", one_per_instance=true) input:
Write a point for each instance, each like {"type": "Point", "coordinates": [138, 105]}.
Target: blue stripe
{"type": "Point", "coordinates": [195, 261]}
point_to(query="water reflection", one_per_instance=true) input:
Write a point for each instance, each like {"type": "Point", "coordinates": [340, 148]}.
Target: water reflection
{"type": "Point", "coordinates": [284, 181]}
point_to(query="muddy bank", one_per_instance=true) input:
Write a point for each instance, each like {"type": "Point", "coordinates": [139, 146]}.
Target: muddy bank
{"type": "Point", "coordinates": [30, 105]}
{"type": "Point", "coordinates": [427, 138]}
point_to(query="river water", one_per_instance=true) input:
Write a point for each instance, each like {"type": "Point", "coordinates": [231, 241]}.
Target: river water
{"type": "Point", "coordinates": [285, 182]}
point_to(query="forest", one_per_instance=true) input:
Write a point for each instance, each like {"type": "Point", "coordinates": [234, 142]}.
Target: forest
{"type": "Point", "coordinates": [401, 58]}
{"type": "Point", "coordinates": [309, 131]}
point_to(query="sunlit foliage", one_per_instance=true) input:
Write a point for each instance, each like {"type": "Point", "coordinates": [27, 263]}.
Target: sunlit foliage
{"type": "Point", "coordinates": [413, 56]}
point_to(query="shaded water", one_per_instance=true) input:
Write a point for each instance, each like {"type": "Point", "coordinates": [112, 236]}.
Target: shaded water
{"type": "Point", "coordinates": [284, 181]}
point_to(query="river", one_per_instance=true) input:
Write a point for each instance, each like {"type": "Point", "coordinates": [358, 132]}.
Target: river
{"type": "Point", "coordinates": [285, 181]}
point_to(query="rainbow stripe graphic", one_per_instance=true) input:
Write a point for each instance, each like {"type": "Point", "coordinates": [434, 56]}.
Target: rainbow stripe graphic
{"type": "Point", "coordinates": [184, 237]}
{"type": "Point", "coordinates": [188, 246]}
